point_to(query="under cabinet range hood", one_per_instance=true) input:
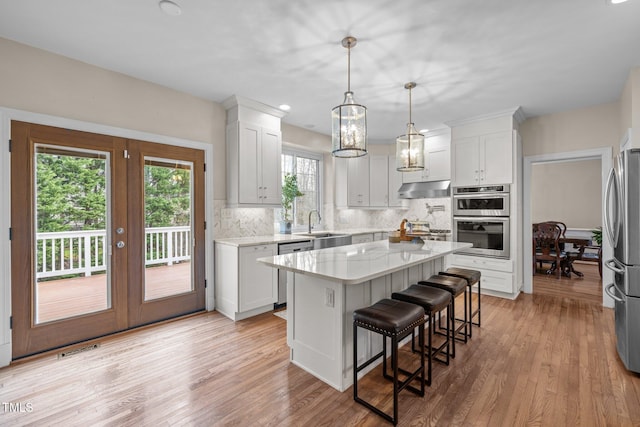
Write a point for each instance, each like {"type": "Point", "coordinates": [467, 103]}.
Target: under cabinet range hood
{"type": "Point", "coordinates": [425, 190]}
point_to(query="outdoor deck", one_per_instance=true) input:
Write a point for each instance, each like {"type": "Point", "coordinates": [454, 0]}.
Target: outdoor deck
{"type": "Point", "coordinates": [64, 298]}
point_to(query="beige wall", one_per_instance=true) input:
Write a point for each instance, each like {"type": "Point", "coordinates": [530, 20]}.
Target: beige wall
{"type": "Point", "coordinates": [38, 81]}
{"type": "Point", "coordinates": [593, 127]}
{"type": "Point", "coordinates": [569, 192]}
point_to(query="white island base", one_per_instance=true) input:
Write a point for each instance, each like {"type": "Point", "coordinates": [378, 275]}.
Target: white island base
{"type": "Point", "coordinates": [326, 286]}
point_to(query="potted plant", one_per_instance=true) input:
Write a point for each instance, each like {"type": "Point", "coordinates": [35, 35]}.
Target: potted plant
{"type": "Point", "coordinates": [289, 192]}
{"type": "Point", "coordinates": [597, 236]}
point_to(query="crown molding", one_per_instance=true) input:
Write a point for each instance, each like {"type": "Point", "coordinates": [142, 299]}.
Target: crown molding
{"type": "Point", "coordinates": [236, 100]}
{"type": "Point", "coordinates": [515, 112]}
{"type": "Point", "coordinates": [438, 131]}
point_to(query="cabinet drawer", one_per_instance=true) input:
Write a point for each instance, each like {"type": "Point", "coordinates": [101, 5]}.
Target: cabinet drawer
{"type": "Point", "coordinates": [497, 281]}
{"type": "Point", "coordinates": [476, 262]}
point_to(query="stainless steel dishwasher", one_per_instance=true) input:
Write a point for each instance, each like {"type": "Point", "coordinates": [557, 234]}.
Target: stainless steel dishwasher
{"type": "Point", "coordinates": [288, 248]}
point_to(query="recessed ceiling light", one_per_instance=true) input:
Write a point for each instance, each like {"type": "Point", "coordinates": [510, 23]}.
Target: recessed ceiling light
{"type": "Point", "coordinates": [170, 8]}
{"type": "Point", "coordinates": [285, 107]}
{"type": "Point", "coordinates": [616, 1]}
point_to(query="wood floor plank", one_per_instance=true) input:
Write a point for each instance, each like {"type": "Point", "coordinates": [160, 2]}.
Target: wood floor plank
{"type": "Point", "coordinates": [538, 360]}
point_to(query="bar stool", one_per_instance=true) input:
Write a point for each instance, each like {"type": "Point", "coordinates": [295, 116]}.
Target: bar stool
{"type": "Point", "coordinates": [472, 277]}
{"type": "Point", "coordinates": [396, 320]}
{"type": "Point", "coordinates": [432, 300]}
{"type": "Point", "coordinates": [455, 286]}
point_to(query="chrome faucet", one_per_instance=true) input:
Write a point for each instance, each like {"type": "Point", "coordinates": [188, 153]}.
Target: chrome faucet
{"type": "Point", "coordinates": [319, 218]}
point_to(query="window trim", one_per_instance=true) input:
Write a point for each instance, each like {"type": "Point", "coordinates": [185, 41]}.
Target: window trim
{"type": "Point", "coordinates": [296, 152]}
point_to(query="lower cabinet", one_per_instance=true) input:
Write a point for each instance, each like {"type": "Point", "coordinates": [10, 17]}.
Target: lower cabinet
{"type": "Point", "coordinates": [496, 274]}
{"type": "Point", "coordinates": [244, 287]}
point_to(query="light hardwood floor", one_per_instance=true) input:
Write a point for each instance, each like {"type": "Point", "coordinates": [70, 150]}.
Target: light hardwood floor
{"type": "Point", "coordinates": [587, 288]}
{"type": "Point", "coordinates": [538, 360]}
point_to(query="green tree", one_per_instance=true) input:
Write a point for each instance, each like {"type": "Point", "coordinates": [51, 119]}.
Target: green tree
{"type": "Point", "coordinates": [167, 196]}
{"type": "Point", "coordinates": [71, 193]}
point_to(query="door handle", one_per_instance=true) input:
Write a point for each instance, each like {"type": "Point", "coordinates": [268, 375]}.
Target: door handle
{"type": "Point", "coordinates": [612, 294]}
{"type": "Point", "coordinates": [611, 265]}
{"type": "Point", "coordinates": [120, 244]}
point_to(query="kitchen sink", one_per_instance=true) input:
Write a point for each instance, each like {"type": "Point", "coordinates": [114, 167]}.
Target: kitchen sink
{"type": "Point", "coordinates": [328, 240]}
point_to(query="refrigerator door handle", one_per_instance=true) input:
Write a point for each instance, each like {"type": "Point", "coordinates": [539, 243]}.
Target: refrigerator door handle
{"type": "Point", "coordinates": [612, 234]}
{"type": "Point", "coordinates": [613, 266]}
{"type": "Point", "coordinates": [612, 294]}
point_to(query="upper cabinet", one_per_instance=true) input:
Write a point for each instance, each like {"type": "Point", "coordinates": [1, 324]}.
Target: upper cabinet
{"type": "Point", "coordinates": [369, 181]}
{"type": "Point", "coordinates": [437, 158]}
{"type": "Point", "coordinates": [254, 147]}
{"type": "Point", "coordinates": [483, 159]}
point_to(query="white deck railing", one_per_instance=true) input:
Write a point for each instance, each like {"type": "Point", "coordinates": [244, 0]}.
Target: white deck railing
{"type": "Point", "coordinates": [84, 252]}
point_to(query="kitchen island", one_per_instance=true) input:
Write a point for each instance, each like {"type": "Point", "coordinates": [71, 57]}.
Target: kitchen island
{"type": "Point", "coordinates": [327, 285]}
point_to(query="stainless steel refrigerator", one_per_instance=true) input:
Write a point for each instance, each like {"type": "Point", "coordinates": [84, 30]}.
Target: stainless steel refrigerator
{"type": "Point", "coordinates": [622, 223]}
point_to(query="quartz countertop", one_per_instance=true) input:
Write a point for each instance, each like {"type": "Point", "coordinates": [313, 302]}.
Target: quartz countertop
{"type": "Point", "coordinates": [361, 262]}
{"type": "Point", "coordinates": [295, 237]}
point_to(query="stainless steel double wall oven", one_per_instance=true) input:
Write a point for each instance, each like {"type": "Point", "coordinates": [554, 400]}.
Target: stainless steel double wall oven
{"type": "Point", "coordinates": [481, 217]}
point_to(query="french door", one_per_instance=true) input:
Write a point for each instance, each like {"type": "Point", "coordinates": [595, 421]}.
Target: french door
{"type": "Point", "coordinates": [107, 234]}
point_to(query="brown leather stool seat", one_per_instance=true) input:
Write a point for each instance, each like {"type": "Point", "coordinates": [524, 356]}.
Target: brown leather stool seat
{"type": "Point", "coordinates": [433, 300]}
{"type": "Point", "coordinates": [455, 286]}
{"type": "Point", "coordinates": [472, 277]}
{"type": "Point", "coordinates": [396, 320]}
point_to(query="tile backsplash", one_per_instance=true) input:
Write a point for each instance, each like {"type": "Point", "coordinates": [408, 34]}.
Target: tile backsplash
{"type": "Point", "coordinates": [243, 222]}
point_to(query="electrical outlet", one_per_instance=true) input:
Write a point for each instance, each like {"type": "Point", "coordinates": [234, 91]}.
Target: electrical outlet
{"type": "Point", "coordinates": [329, 297]}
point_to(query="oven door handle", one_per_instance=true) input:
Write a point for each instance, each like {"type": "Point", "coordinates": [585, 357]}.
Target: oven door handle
{"type": "Point", "coordinates": [479, 196]}
{"type": "Point", "coordinates": [482, 218]}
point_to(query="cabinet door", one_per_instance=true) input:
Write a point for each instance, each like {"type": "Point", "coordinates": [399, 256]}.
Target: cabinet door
{"type": "Point", "coordinates": [497, 167]}
{"type": "Point", "coordinates": [438, 164]}
{"type": "Point", "coordinates": [358, 182]}
{"type": "Point", "coordinates": [258, 283]}
{"type": "Point", "coordinates": [466, 157]}
{"type": "Point", "coordinates": [248, 163]}
{"type": "Point", "coordinates": [378, 181]}
{"type": "Point", "coordinates": [395, 182]}
{"type": "Point", "coordinates": [270, 165]}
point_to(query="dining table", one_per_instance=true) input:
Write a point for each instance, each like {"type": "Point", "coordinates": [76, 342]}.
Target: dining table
{"type": "Point", "coordinates": [574, 249]}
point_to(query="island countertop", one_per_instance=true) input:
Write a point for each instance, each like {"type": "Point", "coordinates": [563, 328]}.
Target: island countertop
{"type": "Point", "coordinates": [361, 262]}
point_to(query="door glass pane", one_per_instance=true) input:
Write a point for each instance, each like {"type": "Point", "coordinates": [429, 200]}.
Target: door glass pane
{"type": "Point", "coordinates": [71, 199]}
{"type": "Point", "coordinates": [168, 235]}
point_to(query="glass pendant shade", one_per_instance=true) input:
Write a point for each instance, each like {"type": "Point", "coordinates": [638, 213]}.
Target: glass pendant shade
{"type": "Point", "coordinates": [410, 150]}
{"type": "Point", "coordinates": [349, 128]}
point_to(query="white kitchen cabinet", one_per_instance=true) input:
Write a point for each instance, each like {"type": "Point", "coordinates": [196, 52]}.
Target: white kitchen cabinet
{"type": "Point", "coordinates": [358, 182]}
{"type": "Point", "coordinates": [244, 287]}
{"type": "Point", "coordinates": [484, 159]}
{"type": "Point", "coordinates": [395, 182]}
{"type": "Point", "coordinates": [378, 181]}
{"type": "Point", "coordinates": [367, 182]}
{"type": "Point", "coordinates": [496, 274]}
{"type": "Point", "coordinates": [254, 147]}
{"type": "Point", "coordinates": [362, 238]}
{"type": "Point", "coordinates": [253, 154]}
{"type": "Point", "coordinates": [437, 159]}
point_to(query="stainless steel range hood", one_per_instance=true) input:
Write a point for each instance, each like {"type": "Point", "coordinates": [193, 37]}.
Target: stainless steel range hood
{"type": "Point", "coordinates": [425, 190]}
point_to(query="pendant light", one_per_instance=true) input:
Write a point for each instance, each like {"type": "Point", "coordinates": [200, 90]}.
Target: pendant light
{"type": "Point", "coordinates": [349, 120]}
{"type": "Point", "coordinates": [410, 147]}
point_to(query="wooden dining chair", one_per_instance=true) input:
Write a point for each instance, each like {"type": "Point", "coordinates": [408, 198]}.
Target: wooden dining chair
{"type": "Point", "coordinates": [546, 248]}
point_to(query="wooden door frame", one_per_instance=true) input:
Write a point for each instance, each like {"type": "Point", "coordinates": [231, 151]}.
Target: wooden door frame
{"type": "Point", "coordinates": [9, 114]}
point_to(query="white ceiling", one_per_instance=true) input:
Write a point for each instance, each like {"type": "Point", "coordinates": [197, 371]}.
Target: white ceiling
{"type": "Point", "coordinates": [469, 57]}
